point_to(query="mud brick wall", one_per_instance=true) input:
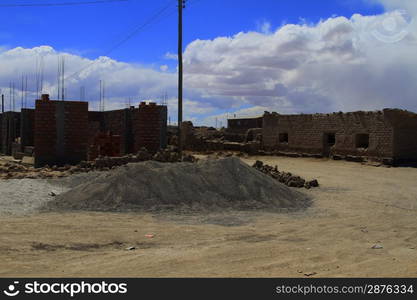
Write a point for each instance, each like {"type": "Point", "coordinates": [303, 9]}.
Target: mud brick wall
{"type": "Point", "coordinates": [306, 133]}
{"type": "Point", "coordinates": [150, 127]}
{"type": "Point", "coordinates": [241, 126]}
{"type": "Point", "coordinates": [27, 125]}
{"type": "Point", "coordinates": [10, 130]}
{"type": "Point", "coordinates": [61, 132]}
{"type": "Point", "coordinates": [405, 134]}
{"type": "Point", "coordinates": [1, 132]}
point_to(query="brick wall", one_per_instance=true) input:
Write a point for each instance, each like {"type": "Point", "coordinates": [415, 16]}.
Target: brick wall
{"type": "Point", "coordinates": [27, 125]}
{"type": "Point", "coordinates": [1, 133]}
{"type": "Point", "coordinates": [307, 133]}
{"type": "Point", "coordinates": [243, 125]}
{"type": "Point", "coordinates": [61, 132]}
{"type": "Point", "coordinates": [10, 130]}
{"type": "Point", "coordinates": [405, 134]}
{"type": "Point", "coordinates": [150, 127]}
{"type": "Point", "coordinates": [115, 122]}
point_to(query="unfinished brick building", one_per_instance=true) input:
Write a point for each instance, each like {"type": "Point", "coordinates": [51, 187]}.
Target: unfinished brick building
{"type": "Point", "coordinates": [61, 132]}
{"type": "Point", "coordinates": [128, 129]}
{"type": "Point", "coordinates": [10, 130]}
{"type": "Point", "coordinates": [150, 127]}
{"type": "Point", "coordinates": [242, 125]}
{"type": "Point", "coordinates": [389, 135]}
{"type": "Point", "coordinates": [65, 132]}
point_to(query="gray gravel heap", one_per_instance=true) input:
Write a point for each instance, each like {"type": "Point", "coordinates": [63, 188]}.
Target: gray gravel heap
{"type": "Point", "coordinates": [207, 184]}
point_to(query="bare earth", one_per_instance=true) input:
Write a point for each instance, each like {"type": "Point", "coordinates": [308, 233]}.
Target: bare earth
{"type": "Point", "coordinates": [355, 208]}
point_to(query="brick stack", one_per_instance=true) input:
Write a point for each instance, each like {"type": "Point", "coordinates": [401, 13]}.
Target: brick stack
{"type": "Point", "coordinates": [149, 127]}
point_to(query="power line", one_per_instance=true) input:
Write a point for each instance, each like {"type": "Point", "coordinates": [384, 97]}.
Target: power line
{"type": "Point", "coordinates": [138, 29]}
{"type": "Point", "coordinates": [62, 4]}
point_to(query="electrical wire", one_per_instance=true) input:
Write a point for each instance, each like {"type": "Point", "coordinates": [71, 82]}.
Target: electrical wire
{"type": "Point", "coordinates": [141, 27]}
{"type": "Point", "coordinates": [62, 4]}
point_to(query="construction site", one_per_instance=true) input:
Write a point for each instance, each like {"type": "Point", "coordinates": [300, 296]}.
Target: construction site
{"type": "Point", "coordinates": [253, 199]}
{"type": "Point", "coordinates": [123, 193]}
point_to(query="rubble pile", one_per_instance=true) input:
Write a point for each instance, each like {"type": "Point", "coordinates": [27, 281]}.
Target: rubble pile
{"type": "Point", "coordinates": [285, 177]}
{"type": "Point", "coordinates": [13, 170]}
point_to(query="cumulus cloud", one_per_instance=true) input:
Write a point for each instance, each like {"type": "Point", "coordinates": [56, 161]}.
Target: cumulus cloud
{"type": "Point", "coordinates": [338, 64]}
{"type": "Point", "coordinates": [121, 80]}
{"type": "Point", "coordinates": [362, 62]}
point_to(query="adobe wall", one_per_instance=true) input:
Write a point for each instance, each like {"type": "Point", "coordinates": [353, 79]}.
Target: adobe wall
{"type": "Point", "coordinates": [61, 132]}
{"type": "Point", "coordinates": [1, 133]}
{"type": "Point", "coordinates": [405, 134]}
{"type": "Point", "coordinates": [241, 126]}
{"type": "Point", "coordinates": [306, 133]}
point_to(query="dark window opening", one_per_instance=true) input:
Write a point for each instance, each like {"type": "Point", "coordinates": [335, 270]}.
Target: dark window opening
{"type": "Point", "coordinates": [362, 141]}
{"type": "Point", "coordinates": [283, 138]}
{"type": "Point", "coordinates": [330, 139]}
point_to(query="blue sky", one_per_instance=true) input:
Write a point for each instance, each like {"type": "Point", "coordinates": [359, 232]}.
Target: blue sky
{"type": "Point", "coordinates": [91, 30]}
{"type": "Point", "coordinates": [240, 57]}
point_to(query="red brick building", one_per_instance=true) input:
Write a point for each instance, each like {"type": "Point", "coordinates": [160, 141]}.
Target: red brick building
{"type": "Point", "coordinates": [150, 127]}
{"type": "Point", "coordinates": [61, 132]}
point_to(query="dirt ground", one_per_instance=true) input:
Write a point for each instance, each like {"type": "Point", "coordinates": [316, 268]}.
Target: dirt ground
{"type": "Point", "coordinates": [356, 207]}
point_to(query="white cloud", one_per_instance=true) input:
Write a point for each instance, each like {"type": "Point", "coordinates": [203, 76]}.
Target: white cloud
{"type": "Point", "coordinates": [356, 63]}
{"type": "Point", "coordinates": [365, 62]}
{"type": "Point", "coordinates": [121, 80]}
{"type": "Point", "coordinates": [170, 55]}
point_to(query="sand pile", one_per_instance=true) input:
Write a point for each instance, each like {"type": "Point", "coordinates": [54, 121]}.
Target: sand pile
{"type": "Point", "coordinates": [208, 184]}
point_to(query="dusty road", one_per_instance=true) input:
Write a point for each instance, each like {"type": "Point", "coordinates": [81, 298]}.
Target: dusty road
{"type": "Point", "coordinates": [355, 208]}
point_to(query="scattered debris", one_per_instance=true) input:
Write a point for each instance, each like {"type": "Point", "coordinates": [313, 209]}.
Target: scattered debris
{"type": "Point", "coordinates": [149, 236]}
{"type": "Point", "coordinates": [130, 248]}
{"type": "Point", "coordinates": [16, 170]}
{"type": "Point", "coordinates": [377, 246]}
{"type": "Point", "coordinates": [284, 177]}
{"type": "Point", "coordinates": [310, 274]}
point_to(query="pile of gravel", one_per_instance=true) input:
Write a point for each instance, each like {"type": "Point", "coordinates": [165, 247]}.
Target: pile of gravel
{"type": "Point", "coordinates": [208, 184]}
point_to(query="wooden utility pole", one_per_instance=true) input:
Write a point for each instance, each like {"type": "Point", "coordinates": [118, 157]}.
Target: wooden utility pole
{"type": "Point", "coordinates": [181, 5]}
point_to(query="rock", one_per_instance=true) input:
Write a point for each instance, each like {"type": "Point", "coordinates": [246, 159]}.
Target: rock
{"type": "Point", "coordinates": [258, 165]}
{"type": "Point", "coordinates": [283, 177]}
{"type": "Point", "coordinates": [314, 183]}
{"type": "Point", "coordinates": [377, 246]}
{"type": "Point", "coordinates": [130, 248]}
